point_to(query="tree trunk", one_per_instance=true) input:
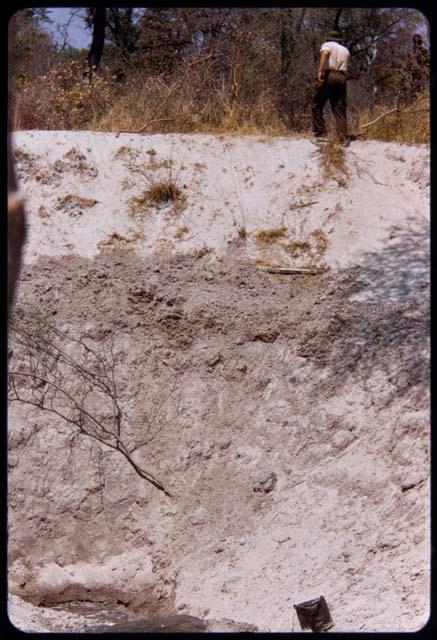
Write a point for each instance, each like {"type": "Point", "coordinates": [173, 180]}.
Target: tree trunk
{"type": "Point", "coordinates": [286, 47]}
{"type": "Point", "coordinates": [98, 41]}
{"type": "Point", "coordinates": [337, 19]}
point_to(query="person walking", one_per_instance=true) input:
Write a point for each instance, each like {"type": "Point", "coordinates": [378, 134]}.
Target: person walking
{"type": "Point", "coordinates": [421, 55]}
{"type": "Point", "coordinates": [331, 85]}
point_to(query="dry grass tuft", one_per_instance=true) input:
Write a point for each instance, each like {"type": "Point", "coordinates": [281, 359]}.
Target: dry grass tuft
{"type": "Point", "coordinates": [297, 247]}
{"type": "Point", "coordinates": [75, 162]}
{"type": "Point", "coordinates": [199, 166]}
{"type": "Point", "coordinates": [74, 200]}
{"type": "Point", "coordinates": [314, 246]}
{"type": "Point", "coordinates": [200, 253]}
{"type": "Point", "coordinates": [181, 232]}
{"type": "Point", "coordinates": [23, 156]}
{"type": "Point", "coordinates": [333, 162]}
{"type": "Point", "coordinates": [242, 233]}
{"type": "Point", "coordinates": [25, 163]}
{"type": "Point", "coordinates": [321, 240]}
{"type": "Point", "coordinates": [126, 152]}
{"type": "Point", "coordinates": [164, 191]}
{"type": "Point", "coordinates": [117, 243]}
{"type": "Point", "coordinates": [42, 212]}
{"type": "Point", "coordinates": [267, 237]}
{"type": "Point", "coordinates": [161, 192]}
{"type": "Point", "coordinates": [409, 124]}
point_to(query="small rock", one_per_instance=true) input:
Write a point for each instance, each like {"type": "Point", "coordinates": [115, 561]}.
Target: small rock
{"type": "Point", "coordinates": [268, 336]}
{"type": "Point", "coordinates": [172, 315]}
{"type": "Point", "coordinates": [214, 360]}
{"type": "Point", "coordinates": [267, 485]}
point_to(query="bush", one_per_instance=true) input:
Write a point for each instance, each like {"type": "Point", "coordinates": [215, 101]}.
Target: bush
{"type": "Point", "coordinates": [62, 99]}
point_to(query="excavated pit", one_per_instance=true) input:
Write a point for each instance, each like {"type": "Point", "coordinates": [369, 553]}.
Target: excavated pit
{"type": "Point", "coordinates": [288, 415]}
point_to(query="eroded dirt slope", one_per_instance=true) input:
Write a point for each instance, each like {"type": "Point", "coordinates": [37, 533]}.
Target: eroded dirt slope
{"type": "Point", "coordinates": [288, 413]}
{"type": "Point", "coordinates": [297, 447]}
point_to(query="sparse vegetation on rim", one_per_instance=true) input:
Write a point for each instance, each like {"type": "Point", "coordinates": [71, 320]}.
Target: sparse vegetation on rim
{"type": "Point", "coordinates": [333, 162]}
{"type": "Point", "coordinates": [224, 87]}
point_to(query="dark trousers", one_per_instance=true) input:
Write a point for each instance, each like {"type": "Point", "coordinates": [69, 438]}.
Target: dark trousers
{"type": "Point", "coordinates": [333, 89]}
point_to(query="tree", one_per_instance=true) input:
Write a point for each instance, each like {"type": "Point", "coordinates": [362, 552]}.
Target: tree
{"type": "Point", "coordinates": [124, 30]}
{"type": "Point", "coordinates": [33, 45]}
{"type": "Point", "coordinates": [74, 380]}
{"type": "Point", "coordinates": [98, 16]}
{"type": "Point", "coordinates": [63, 29]}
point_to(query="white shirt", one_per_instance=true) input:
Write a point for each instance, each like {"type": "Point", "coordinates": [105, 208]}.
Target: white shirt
{"type": "Point", "coordinates": [338, 56]}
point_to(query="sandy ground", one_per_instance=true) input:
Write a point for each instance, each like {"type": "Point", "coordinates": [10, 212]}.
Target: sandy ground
{"type": "Point", "coordinates": [293, 410]}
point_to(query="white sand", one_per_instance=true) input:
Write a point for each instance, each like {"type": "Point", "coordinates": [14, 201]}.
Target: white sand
{"type": "Point", "coordinates": [231, 183]}
{"type": "Point", "coordinates": [349, 515]}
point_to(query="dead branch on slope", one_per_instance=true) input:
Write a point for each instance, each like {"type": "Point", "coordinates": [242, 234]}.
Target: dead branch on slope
{"type": "Point", "coordinates": [77, 382]}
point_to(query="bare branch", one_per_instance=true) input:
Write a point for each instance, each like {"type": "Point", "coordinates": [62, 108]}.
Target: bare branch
{"type": "Point", "coordinates": [154, 422]}
{"type": "Point", "coordinates": [62, 29]}
{"type": "Point", "coordinates": [59, 382]}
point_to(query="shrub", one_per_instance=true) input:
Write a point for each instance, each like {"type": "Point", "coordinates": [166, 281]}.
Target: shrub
{"type": "Point", "coordinates": [158, 193]}
{"type": "Point", "coordinates": [62, 99]}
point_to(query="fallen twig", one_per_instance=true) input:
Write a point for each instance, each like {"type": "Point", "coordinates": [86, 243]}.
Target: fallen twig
{"type": "Point", "coordinates": [301, 206]}
{"type": "Point", "coordinates": [282, 541]}
{"type": "Point", "coordinates": [288, 271]}
{"type": "Point", "coordinates": [297, 483]}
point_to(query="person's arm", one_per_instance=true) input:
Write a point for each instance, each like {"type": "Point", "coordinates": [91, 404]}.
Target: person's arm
{"type": "Point", "coordinates": [324, 55]}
